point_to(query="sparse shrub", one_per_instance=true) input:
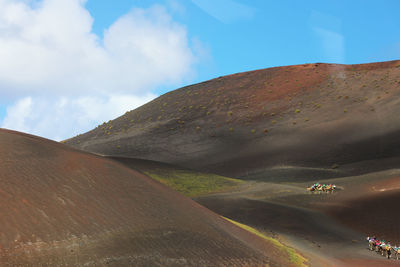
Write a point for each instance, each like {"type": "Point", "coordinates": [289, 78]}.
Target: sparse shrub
{"type": "Point", "coordinates": [335, 166]}
{"type": "Point", "coordinates": [230, 113]}
{"type": "Point", "coordinates": [297, 111]}
{"type": "Point", "coordinates": [198, 128]}
{"type": "Point", "coordinates": [318, 105]}
{"type": "Point", "coordinates": [253, 131]}
{"type": "Point", "coordinates": [306, 119]}
{"type": "Point", "coordinates": [118, 146]}
{"type": "Point", "coordinates": [265, 130]}
{"type": "Point", "coordinates": [274, 121]}
{"type": "Point", "coordinates": [190, 107]}
{"type": "Point", "coordinates": [265, 113]}
{"type": "Point", "coordinates": [208, 113]}
{"type": "Point", "coordinates": [231, 129]}
{"type": "Point", "coordinates": [294, 122]}
{"type": "Point", "coordinates": [345, 110]}
{"type": "Point", "coordinates": [272, 114]}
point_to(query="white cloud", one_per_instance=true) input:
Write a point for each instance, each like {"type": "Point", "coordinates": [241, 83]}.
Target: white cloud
{"type": "Point", "coordinates": [18, 114]}
{"type": "Point", "coordinates": [49, 53]}
{"type": "Point", "coordinates": [55, 117]}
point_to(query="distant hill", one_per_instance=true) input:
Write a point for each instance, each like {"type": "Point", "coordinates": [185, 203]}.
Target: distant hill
{"type": "Point", "coordinates": [60, 207]}
{"type": "Point", "coordinates": [324, 119]}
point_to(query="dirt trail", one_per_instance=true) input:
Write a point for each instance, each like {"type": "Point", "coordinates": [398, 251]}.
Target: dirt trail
{"type": "Point", "coordinates": [302, 220]}
{"type": "Point", "coordinates": [295, 216]}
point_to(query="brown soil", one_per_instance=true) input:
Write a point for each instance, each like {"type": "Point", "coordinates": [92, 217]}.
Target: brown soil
{"type": "Point", "coordinates": [369, 263]}
{"type": "Point", "coordinates": [246, 124]}
{"type": "Point", "coordinates": [330, 229]}
{"type": "Point", "coordinates": [283, 128]}
{"type": "Point", "coordinates": [60, 206]}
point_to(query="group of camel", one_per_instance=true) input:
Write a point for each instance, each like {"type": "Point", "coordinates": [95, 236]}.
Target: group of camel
{"type": "Point", "coordinates": [317, 187]}
{"type": "Point", "coordinates": [382, 247]}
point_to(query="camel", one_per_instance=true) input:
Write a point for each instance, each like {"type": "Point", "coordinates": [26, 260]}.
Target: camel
{"type": "Point", "coordinates": [388, 251]}
{"type": "Point", "coordinates": [385, 250]}
{"type": "Point", "coordinates": [371, 243]}
{"type": "Point", "coordinates": [396, 251]}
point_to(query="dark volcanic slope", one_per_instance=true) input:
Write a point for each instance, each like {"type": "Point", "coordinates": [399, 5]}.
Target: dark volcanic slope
{"type": "Point", "coordinates": [59, 206]}
{"type": "Point", "coordinates": [313, 115]}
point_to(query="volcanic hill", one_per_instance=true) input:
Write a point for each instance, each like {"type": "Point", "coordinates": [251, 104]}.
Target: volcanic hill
{"type": "Point", "coordinates": [301, 119]}
{"type": "Point", "coordinates": [60, 206]}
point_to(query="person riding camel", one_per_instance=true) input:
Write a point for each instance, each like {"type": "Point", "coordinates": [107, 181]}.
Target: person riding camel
{"type": "Point", "coordinates": [389, 250]}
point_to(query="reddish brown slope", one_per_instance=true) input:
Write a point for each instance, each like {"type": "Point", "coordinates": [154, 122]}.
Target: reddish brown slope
{"type": "Point", "coordinates": [312, 115]}
{"type": "Point", "coordinates": [59, 206]}
{"type": "Point", "coordinates": [369, 204]}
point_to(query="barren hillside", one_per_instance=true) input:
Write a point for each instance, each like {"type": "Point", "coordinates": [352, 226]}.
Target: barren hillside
{"type": "Point", "coordinates": [60, 206]}
{"type": "Point", "coordinates": [319, 117]}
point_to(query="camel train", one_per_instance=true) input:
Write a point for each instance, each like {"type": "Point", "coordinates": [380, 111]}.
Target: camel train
{"type": "Point", "coordinates": [317, 187]}
{"type": "Point", "coordinates": [383, 248]}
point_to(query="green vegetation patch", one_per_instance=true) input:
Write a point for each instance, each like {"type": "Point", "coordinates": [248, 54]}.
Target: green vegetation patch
{"type": "Point", "coordinates": [294, 256]}
{"type": "Point", "coordinates": [191, 183]}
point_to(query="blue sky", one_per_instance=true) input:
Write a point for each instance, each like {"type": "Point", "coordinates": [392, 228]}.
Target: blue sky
{"type": "Point", "coordinates": [277, 33]}
{"type": "Point", "coordinates": [68, 65]}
